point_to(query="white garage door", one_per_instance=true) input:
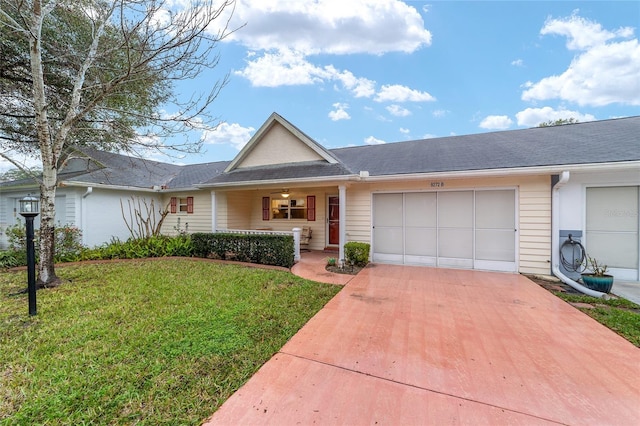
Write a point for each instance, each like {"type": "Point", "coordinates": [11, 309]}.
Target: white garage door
{"type": "Point", "coordinates": [612, 229]}
{"type": "Point", "coordinates": [459, 229]}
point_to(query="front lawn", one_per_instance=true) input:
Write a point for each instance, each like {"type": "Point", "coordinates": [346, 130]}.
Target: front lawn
{"type": "Point", "coordinates": [150, 342]}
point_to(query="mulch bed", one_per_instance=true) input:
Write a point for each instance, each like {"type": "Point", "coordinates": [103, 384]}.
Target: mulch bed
{"type": "Point", "coordinates": [350, 270]}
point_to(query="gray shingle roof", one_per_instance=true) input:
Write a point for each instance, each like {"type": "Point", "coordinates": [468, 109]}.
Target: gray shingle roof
{"type": "Point", "coordinates": [307, 169]}
{"type": "Point", "coordinates": [197, 173]}
{"type": "Point", "coordinates": [582, 143]}
{"type": "Point", "coordinates": [606, 141]}
{"type": "Point", "coordinates": [122, 170]}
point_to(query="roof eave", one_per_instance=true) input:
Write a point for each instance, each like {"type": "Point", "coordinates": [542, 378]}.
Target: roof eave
{"type": "Point", "coordinates": [280, 182]}
{"type": "Point", "coordinates": [519, 171]}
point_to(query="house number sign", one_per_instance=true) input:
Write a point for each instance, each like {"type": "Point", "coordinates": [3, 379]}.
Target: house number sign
{"type": "Point", "coordinates": [437, 184]}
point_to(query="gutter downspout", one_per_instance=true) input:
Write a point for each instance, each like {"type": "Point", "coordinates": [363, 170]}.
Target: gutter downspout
{"type": "Point", "coordinates": [83, 214]}
{"type": "Point", "coordinates": [555, 241]}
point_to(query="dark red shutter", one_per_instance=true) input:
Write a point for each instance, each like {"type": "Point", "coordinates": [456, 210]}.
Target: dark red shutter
{"type": "Point", "coordinates": [189, 204]}
{"type": "Point", "coordinates": [174, 204]}
{"type": "Point", "coordinates": [311, 207]}
{"type": "Point", "coordinates": [266, 211]}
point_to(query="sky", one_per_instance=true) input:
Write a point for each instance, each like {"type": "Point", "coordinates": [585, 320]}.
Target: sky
{"type": "Point", "coordinates": [357, 72]}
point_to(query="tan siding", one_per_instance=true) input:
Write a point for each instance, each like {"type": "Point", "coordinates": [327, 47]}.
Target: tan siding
{"type": "Point", "coordinates": [278, 146]}
{"type": "Point", "coordinates": [198, 221]}
{"type": "Point", "coordinates": [535, 225]}
{"type": "Point", "coordinates": [239, 210]}
{"type": "Point", "coordinates": [358, 215]}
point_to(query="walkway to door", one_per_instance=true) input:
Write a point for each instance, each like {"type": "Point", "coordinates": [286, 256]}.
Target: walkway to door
{"type": "Point", "coordinates": [418, 345]}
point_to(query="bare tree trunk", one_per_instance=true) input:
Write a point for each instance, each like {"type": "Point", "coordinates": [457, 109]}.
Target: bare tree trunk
{"type": "Point", "coordinates": [47, 275]}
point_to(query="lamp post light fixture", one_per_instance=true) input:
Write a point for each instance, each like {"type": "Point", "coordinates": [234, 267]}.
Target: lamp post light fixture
{"type": "Point", "coordinates": [29, 209]}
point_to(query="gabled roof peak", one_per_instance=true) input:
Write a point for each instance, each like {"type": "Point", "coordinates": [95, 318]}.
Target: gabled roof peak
{"type": "Point", "coordinates": [301, 137]}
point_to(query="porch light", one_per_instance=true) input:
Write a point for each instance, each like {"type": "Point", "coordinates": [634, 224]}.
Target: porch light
{"type": "Point", "coordinates": [285, 194]}
{"type": "Point", "coordinates": [29, 206]}
{"type": "Point", "coordinates": [29, 210]}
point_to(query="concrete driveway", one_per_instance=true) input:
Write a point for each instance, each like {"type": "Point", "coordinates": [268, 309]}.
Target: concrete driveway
{"type": "Point", "coordinates": [416, 345]}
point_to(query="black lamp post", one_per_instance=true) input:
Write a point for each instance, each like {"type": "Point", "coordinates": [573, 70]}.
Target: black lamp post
{"type": "Point", "coordinates": [29, 209]}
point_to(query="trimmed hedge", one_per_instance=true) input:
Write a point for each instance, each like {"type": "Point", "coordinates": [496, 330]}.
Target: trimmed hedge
{"type": "Point", "coordinates": [275, 250]}
{"type": "Point", "coordinates": [357, 253]}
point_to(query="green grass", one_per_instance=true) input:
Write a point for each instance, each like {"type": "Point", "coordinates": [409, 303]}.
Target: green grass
{"type": "Point", "coordinates": [620, 315]}
{"type": "Point", "coordinates": [149, 342]}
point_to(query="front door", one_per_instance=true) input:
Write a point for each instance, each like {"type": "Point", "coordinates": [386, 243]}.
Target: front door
{"type": "Point", "coordinates": [333, 220]}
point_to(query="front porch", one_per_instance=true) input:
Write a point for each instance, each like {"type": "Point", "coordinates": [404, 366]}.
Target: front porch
{"type": "Point", "coordinates": [321, 209]}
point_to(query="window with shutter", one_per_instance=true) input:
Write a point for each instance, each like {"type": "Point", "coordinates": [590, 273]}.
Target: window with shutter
{"type": "Point", "coordinates": [189, 205]}
{"type": "Point", "coordinates": [174, 204]}
{"type": "Point", "coordinates": [311, 207]}
{"type": "Point", "coordinates": [266, 214]}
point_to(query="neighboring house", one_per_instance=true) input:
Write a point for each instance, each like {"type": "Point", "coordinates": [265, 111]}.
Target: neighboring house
{"type": "Point", "coordinates": [494, 201]}
{"type": "Point", "coordinates": [96, 190]}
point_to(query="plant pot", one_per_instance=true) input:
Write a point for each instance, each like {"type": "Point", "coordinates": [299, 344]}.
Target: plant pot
{"type": "Point", "coordinates": [601, 283]}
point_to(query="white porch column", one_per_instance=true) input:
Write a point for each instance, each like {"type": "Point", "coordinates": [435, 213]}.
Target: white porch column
{"type": "Point", "coordinates": [296, 243]}
{"type": "Point", "coordinates": [342, 197]}
{"type": "Point", "coordinates": [214, 212]}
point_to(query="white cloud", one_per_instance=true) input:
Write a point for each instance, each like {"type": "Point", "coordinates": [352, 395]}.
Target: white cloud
{"type": "Point", "coordinates": [398, 93]}
{"type": "Point", "coordinates": [282, 68]}
{"type": "Point", "coordinates": [605, 72]}
{"type": "Point", "coordinates": [404, 131]}
{"type": "Point", "coordinates": [517, 63]}
{"type": "Point", "coordinates": [496, 122]}
{"type": "Point", "coordinates": [439, 113]}
{"type": "Point", "coordinates": [290, 68]}
{"type": "Point", "coordinates": [398, 111]}
{"type": "Point", "coordinates": [340, 112]}
{"type": "Point", "coordinates": [229, 134]}
{"type": "Point", "coordinates": [360, 87]}
{"type": "Point", "coordinates": [373, 141]}
{"type": "Point", "coordinates": [581, 33]}
{"type": "Point", "coordinates": [330, 26]}
{"type": "Point", "coordinates": [532, 117]}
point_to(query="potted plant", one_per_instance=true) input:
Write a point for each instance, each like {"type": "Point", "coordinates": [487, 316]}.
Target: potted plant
{"type": "Point", "coordinates": [597, 279]}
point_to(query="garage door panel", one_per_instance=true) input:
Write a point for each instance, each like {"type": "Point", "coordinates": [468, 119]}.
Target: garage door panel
{"type": "Point", "coordinates": [421, 242]}
{"type": "Point", "coordinates": [495, 245]}
{"type": "Point", "coordinates": [599, 246]}
{"type": "Point", "coordinates": [387, 209]}
{"type": "Point", "coordinates": [455, 209]}
{"type": "Point", "coordinates": [455, 243]}
{"type": "Point", "coordinates": [421, 210]}
{"type": "Point", "coordinates": [495, 209]}
{"type": "Point", "coordinates": [612, 209]}
{"type": "Point", "coordinates": [612, 228]}
{"type": "Point", "coordinates": [388, 240]}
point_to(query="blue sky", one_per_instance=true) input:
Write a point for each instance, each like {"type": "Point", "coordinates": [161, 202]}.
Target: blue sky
{"type": "Point", "coordinates": [379, 71]}
{"type": "Point", "coordinates": [355, 72]}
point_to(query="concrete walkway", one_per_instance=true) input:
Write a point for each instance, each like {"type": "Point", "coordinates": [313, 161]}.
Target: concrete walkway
{"type": "Point", "coordinates": [416, 345]}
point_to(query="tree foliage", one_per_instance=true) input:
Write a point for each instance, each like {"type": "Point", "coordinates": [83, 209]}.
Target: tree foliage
{"type": "Point", "coordinates": [98, 73]}
{"type": "Point", "coordinates": [558, 122]}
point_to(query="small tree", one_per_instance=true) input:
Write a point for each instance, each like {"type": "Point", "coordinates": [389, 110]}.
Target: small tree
{"type": "Point", "coordinates": [141, 219]}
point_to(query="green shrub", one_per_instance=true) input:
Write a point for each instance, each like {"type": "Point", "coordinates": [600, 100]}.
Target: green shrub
{"type": "Point", "coordinates": [12, 258]}
{"type": "Point", "coordinates": [263, 249]}
{"type": "Point", "coordinates": [356, 253]}
{"type": "Point", "coordinates": [136, 248]}
{"type": "Point", "coordinates": [68, 243]}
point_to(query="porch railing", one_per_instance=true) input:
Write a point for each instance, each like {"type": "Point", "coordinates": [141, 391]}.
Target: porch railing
{"type": "Point", "coordinates": [295, 232]}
